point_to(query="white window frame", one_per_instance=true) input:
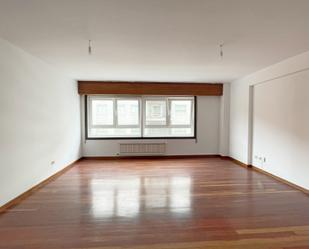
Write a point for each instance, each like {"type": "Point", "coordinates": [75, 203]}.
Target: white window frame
{"type": "Point", "coordinates": [115, 111]}
{"type": "Point", "coordinates": [142, 115]}
{"type": "Point", "coordinates": [89, 111]}
{"type": "Point", "coordinates": [168, 112]}
{"type": "Point", "coordinates": [154, 98]}
{"type": "Point", "coordinates": [139, 112]}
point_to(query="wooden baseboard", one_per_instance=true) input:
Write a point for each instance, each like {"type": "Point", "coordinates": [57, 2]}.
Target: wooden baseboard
{"type": "Point", "coordinates": [237, 162]}
{"type": "Point", "coordinates": [149, 157]}
{"type": "Point", "coordinates": [306, 191]}
{"type": "Point", "coordinates": [29, 192]}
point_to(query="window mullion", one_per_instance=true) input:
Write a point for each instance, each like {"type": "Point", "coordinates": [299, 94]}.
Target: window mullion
{"type": "Point", "coordinates": [115, 113]}
{"type": "Point", "coordinates": [142, 115]}
{"type": "Point", "coordinates": [168, 112]}
{"type": "Point", "coordinates": [192, 113]}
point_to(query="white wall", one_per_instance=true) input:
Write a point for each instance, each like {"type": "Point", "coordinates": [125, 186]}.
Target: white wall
{"type": "Point", "coordinates": [224, 131]}
{"type": "Point", "coordinates": [208, 134]}
{"type": "Point", "coordinates": [40, 121]}
{"type": "Point", "coordinates": [280, 127]}
{"type": "Point", "coordinates": [239, 121]}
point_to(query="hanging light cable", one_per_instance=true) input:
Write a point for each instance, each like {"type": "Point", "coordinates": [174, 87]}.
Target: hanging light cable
{"type": "Point", "coordinates": [89, 47]}
{"type": "Point", "coordinates": [221, 50]}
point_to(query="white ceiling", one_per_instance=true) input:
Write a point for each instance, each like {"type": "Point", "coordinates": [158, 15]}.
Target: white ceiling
{"type": "Point", "coordinates": [158, 40]}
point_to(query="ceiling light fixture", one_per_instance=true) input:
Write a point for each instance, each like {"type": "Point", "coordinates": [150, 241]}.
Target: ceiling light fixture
{"type": "Point", "coordinates": [221, 50]}
{"type": "Point", "coordinates": [89, 47]}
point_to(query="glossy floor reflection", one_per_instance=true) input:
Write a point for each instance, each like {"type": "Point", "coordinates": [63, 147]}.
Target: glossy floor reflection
{"type": "Point", "coordinates": [159, 204]}
{"type": "Point", "coordinates": [125, 197]}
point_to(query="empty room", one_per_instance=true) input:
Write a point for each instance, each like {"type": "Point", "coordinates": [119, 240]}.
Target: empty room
{"type": "Point", "coordinates": [154, 124]}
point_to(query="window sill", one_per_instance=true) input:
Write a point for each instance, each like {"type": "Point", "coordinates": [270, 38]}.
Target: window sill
{"type": "Point", "coordinates": [136, 138]}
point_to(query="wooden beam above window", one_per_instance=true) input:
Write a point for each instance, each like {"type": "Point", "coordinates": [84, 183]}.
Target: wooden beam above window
{"type": "Point", "coordinates": [150, 88]}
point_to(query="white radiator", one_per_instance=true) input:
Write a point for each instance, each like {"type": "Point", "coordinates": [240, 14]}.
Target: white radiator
{"type": "Point", "coordinates": [142, 148]}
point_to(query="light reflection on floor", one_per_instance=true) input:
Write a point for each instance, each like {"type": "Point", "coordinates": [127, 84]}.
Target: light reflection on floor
{"type": "Point", "coordinates": [126, 197]}
{"type": "Point", "coordinates": [180, 199]}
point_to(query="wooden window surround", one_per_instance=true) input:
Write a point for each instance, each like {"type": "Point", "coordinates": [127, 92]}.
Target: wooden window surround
{"type": "Point", "coordinates": [150, 88]}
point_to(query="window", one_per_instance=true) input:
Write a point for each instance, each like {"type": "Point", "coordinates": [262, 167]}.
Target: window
{"type": "Point", "coordinates": [155, 112]}
{"type": "Point", "coordinates": [181, 112]}
{"type": "Point", "coordinates": [169, 117]}
{"type": "Point", "coordinates": [102, 112]}
{"type": "Point", "coordinates": [113, 117]}
{"type": "Point", "coordinates": [140, 117]}
{"type": "Point", "coordinates": [128, 112]}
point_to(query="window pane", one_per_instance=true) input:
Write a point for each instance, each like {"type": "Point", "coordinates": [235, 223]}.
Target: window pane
{"type": "Point", "coordinates": [155, 112]}
{"type": "Point", "coordinates": [102, 112]}
{"type": "Point", "coordinates": [181, 112]}
{"type": "Point", "coordinates": [128, 113]}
